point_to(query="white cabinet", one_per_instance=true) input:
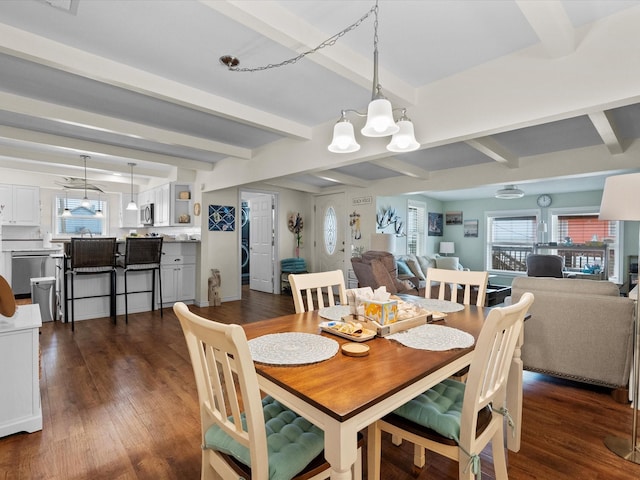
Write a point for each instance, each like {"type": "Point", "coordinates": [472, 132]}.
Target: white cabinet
{"type": "Point", "coordinates": [21, 204]}
{"type": "Point", "coordinates": [128, 218]}
{"type": "Point", "coordinates": [181, 204]}
{"type": "Point", "coordinates": [178, 271]}
{"type": "Point", "coordinates": [20, 409]}
{"type": "Point", "coordinates": [162, 209]}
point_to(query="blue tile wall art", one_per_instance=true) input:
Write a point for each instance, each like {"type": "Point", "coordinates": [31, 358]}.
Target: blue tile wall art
{"type": "Point", "coordinates": [222, 218]}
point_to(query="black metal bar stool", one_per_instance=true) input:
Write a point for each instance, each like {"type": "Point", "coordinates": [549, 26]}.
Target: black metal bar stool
{"type": "Point", "coordinates": [93, 256]}
{"type": "Point", "coordinates": [142, 254]}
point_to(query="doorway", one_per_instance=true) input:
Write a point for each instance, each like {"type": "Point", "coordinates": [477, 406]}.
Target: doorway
{"type": "Point", "coordinates": [258, 240]}
{"type": "Point", "coordinates": [330, 226]}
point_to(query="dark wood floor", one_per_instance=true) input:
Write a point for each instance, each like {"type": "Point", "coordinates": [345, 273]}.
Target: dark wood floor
{"type": "Point", "coordinates": [119, 402]}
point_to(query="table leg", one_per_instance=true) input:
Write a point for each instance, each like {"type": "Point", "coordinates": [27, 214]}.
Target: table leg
{"type": "Point", "coordinates": [514, 396]}
{"type": "Point", "coordinates": [340, 451]}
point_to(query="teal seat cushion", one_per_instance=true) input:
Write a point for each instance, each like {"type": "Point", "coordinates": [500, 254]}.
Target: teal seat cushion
{"type": "Point", "coordinates": [439, 408]}
{"type": "Point", "coordinates": [292, 441]}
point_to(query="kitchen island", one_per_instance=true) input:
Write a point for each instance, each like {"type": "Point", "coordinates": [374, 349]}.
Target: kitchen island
{"type": "Point", "coordinates": [177, 269]}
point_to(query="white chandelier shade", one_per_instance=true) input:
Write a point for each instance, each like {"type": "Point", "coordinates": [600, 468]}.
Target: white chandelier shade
{"type": "Point", "coordinates": [344, 140]}
{"type": "Point", "coordinates": [404, 140]}
{"type": "Point", "coordinates": [380, 122]}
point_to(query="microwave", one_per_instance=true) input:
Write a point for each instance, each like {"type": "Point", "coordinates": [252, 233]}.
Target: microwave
{"type": "Point", "coordinates": [146, 214]}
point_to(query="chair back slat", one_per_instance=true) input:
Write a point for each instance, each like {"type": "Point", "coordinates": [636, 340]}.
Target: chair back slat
{"type": "Point", "coordinates": [310, 290]}
{"type": "Point", "coordinates": [454, 279]}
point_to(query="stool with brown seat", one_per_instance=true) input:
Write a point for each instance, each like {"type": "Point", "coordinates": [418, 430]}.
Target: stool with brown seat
{"type": "Point", "coordinates": [93, 256]}
{"type": "Point", "coordinates": [142, 254]}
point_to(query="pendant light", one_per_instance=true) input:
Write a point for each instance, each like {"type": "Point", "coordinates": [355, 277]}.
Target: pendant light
{"type": "Point", "coordinates": [132, 204]}
{"type": "Point", "coordinates": [99, 209]}
{"type": "Point", "coordinates": [66, 212]}
{"type": "Point", "coordinates": [85, 201]}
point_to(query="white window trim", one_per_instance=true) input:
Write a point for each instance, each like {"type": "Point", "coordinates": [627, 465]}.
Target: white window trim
{"type": "Point", "coordinates": [504, 213]}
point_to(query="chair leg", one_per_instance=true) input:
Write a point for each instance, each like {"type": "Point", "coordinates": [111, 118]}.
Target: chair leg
{"type": "Point", "coordinates": [153, 289]}
{"type": "Point", "coordinates": [499, 455]}
{"type": "Point", "coordinates": [73, 316]}
{"type": "Point", "coordinates": [126, 298]}
{"type": "Point", "coordinates": [160, 289]}
{"type": "Point", "coordinates": [113, 295]}
{"type": "Point", "coordinates": [374, 447]}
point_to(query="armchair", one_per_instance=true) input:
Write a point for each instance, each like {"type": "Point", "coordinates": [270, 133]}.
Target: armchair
{"type": "Point", "coordinates": [376, 269]}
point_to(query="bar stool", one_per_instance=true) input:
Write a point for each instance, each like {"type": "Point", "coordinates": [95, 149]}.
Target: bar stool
{"type": "Point", "coordinates": [142, 254]}
{"type": "Point", "coordinates": [93, 256]}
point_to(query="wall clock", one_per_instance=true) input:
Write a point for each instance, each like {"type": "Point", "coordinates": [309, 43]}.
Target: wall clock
{"type": "Point", "coordinates": [544, 200]}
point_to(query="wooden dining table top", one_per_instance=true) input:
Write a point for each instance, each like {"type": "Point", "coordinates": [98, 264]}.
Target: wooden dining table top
{"type": "Point", "coordinates": [344, 386]}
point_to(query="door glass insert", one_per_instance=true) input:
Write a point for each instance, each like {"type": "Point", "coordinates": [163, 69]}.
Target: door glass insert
{"type": "Point", "coordinates": [330, 230]}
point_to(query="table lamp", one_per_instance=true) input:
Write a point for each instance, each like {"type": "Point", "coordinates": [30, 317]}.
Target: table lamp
{"type": "Point", "coordinates": [383, 242]}
{"type": "Point", "coordinates": [620, 201]}
{"type": "Point", "coordinates": [447, 248]}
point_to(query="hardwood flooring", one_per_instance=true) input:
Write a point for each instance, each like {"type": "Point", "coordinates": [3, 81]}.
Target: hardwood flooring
{"type": "Point", "coordinates": [119, 402]}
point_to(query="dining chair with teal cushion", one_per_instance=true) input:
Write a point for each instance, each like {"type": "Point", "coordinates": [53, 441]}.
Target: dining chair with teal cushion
{"type": "Point", "coordinates": [455, 419]}
{"type": "Point", "coordinates": [246, 434]}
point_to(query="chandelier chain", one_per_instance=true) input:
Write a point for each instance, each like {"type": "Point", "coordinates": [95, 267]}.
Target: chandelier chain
{"type": "Point", "coordinates": [327, 43]}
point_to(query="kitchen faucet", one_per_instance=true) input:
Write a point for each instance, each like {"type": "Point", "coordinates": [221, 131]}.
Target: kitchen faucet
{"type": "Point", "coordinates": [85, 230]}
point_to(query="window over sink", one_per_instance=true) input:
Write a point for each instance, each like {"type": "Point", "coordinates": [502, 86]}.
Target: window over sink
{"type": "Point", "coordinates": [82, 221]}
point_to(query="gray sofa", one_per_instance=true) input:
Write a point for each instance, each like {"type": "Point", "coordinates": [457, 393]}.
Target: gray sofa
{"type": "Point", "coordinates": [579, 329]}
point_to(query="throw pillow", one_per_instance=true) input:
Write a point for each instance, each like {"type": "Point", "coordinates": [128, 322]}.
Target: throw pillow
{"type": "Point", "coordinates": [403, 268]}
{"type": "Point", "coordinates": [448, 263]}
{"type": "Point", "coordinates": [426, 263]}
{"type": "Point", "coordinates": [414, 266]}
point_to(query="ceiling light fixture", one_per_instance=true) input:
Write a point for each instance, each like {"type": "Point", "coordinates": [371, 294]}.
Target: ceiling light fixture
{"type": "Point", "coordinates": [85, 201]}
{"type": "Point", "coordinates": [509, 192]}
{"type": "Point", "coordinates": [66, 212]}
{"type": "Point", "coordinates": [380, 121]}
{"type": "Point", "coordinates": [132, 204]}
{"type": "Point", "coordinates": [99, 209]}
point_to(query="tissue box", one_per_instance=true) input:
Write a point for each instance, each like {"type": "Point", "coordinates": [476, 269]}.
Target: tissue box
{"type": "Point", "coordinates": [383, 313]}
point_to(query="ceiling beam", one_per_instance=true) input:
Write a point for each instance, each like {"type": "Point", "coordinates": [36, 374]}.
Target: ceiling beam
{"type": "Point", "coordinates": [603, 122]}
{"type": "Point", "coordinates": [552, 25]}
{"type": "Point", "coordinates": [342, 178]}
{"type": "Point", "coordinates": [94, 121]}
{"type": "Point", "coordinates": [400, 166]}
{"type": "Point", "coordinates": [494, 150]}
{"type": "Point", "coordinates": [33, 48]}
{"type": "Point", "coordinates": [88, 147]}
{"type": "Point", "coordinates": [281, 26]}
{"type": "Point", "coordinates": [293, 185]}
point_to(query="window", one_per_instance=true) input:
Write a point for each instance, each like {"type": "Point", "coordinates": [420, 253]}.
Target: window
{"type": "Point", "coordinates": [582, 226]}
{"type": "Point", "coordinates": [510, 238]}
{"type": "Point", "coordinates": [416, 214]}
{"type": "Point", "coordinates": [81, 221]}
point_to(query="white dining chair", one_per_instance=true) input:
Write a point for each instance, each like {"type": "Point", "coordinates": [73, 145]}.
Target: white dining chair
{"type": "Point", "coordinates": [455, 279]}
{"type": "Point", "coordinates": [244, 433]}
{"type": "Point", "coordinates": [455, 419]}
{"type": "Point", "coordinates": [310, 290]}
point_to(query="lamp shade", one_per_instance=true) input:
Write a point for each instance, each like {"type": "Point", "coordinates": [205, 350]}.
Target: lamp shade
{"type": "Point", "coordinates": [620, 199]}
{"type": "Point", "coordinates": [344, 140]}
{"type": "Point", "coordinates": [380, 122]}
{"type": "Point", "coordinates": [383, 242]}
{"type": "Point", "coordinates": [404, 140]}
{"type": "Point", "coordinates": [447, 247]}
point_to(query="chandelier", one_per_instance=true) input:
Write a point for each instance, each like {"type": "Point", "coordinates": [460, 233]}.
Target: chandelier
{"type": "Point", "coordinates": [380, 113]}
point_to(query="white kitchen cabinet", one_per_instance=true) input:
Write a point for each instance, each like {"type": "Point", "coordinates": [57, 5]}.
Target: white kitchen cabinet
{"type": "Point", "coordinates": [178, 271]}
{"type": "Point", "coordinates": [162, 208]}
{"type": "Point", "coordinates": [21, 204]}
{"type": "Point", "coordinates": [181, 204]}
{"type": "Point", "coordinates": [20, 409]}
{"type": "Point", "coordinates": [128, 218]}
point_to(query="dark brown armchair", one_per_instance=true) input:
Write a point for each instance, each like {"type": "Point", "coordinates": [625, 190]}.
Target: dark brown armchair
{"type": "Point", "coordinates": [545, 265]}
{"type": "Point", "coordinates": [376, 269]}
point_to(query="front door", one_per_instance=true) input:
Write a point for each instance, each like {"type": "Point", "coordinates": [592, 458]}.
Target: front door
{"type": "Point", "coordinates": [330, 223]}
{"type": "Point", "coordinates": [261, 243]}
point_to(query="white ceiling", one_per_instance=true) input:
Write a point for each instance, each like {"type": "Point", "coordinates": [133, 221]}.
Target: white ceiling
{"type": "Point", "coordinates": [544, 95]}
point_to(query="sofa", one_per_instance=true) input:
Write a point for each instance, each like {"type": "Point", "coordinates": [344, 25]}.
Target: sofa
{"type": "Point", "coordinates": [405, 274]}
{"type": "Point", "coordinates": [579, 329]}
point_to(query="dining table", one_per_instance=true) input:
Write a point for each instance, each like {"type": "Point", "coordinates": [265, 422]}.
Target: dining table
{"type": "Point", "coordinates": [345, 394]}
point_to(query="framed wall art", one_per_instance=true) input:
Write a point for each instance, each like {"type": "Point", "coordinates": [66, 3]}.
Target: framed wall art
{"type": "Point", "coordinates": [222, 218]}
{"type": "Point", "coordinates": [435, 224]}
{"type": "Point", "coordinates": [470, 228]}
{"type": "Point", "coordinates": [453, 218]}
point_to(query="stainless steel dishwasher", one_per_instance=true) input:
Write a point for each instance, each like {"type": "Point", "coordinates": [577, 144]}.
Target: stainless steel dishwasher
{"type": "Point", "coordinates": [28, 264]}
